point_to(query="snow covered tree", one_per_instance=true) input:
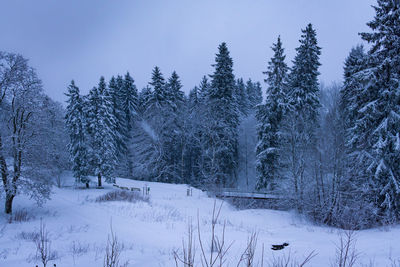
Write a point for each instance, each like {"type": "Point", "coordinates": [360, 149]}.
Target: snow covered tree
{"type": "Point", "coordinates": [270, 117]}
{"type": "Point", "coordinates": [21, 95]}
{"type": "Point", "coordinates": [176, 138]}
{"type": "Point", "coordinates": [375, 137]}
{"type": "Point", "coordinates": [254, 94]}
{"type": "Point", "coordinates": [241, 97]}
{"type": "Point", "coordinates": [77, 135]}
{"type": "Point", "coordinates": [129, 96]}
{"type": "Point", "coordinates": [125, 100]}
{"type": "Point", "coordinates": [101, 128]}
{"type": "Point", "coordinates": [151, 149]}
{"type": "Point", "coordinates": [204, 88]}
{"type": "Point", "coordinates": [193, 127]}
{"type": "Point", "coordinates": [302, 121]}
{"type": "Point", "coordinates": [120, 128]}
{"type": "Point", "coordinates": [145, 143]}
{"type": "Point", "coordinates": [352, 88]}
{"type": "Point", "coordinates": [46, 152]}
{"type": "Point", "coordinates": [221, 135]}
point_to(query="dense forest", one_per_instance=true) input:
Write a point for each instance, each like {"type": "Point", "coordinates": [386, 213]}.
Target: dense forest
{"type": "Point", "coordinates": [335, 150]}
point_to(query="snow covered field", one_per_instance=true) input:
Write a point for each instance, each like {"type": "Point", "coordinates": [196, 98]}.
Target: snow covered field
{"type": "Point", "coordinates": [151, 231]}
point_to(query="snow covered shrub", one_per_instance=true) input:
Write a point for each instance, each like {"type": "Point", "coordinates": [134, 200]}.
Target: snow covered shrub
{"type": "Point", "coordinates": [78, 249]}
{"type": "Point", "coordinates": [122, 195]}
{"type": "Point", "coordinates": [21, 216]}
{"type": "Point", "coordinates": [28, 236]}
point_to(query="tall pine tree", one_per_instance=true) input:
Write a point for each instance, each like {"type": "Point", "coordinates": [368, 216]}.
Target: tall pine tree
{"type": "Point", "coordinates": [269, 120]}
{"type": "Point", "coordinates": [302, 121]}
{"type": "Point", "coordinates": [221, 138]}
{"type": "Point", "coordinates": [375, 137]}
{"type": "Point", "coordinates": [129, 108]}
{"type": "Point", "coordinates": [76, 128]}
{"type": "Point", "coordinates": [101, 127]}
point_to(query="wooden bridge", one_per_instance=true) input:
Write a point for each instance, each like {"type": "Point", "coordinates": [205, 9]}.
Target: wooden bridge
{"type": "Point", "coordinates": [246, 195]}
{"type": "Point", "coordinates": [246, 200]}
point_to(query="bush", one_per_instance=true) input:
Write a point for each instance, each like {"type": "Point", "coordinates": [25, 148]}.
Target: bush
{"type": "Point", "coordinates": [122, 195]}
{"type": "Point", "coordinates": [21, 216]}
{"type": "Point", "coordinates": [28, 236]}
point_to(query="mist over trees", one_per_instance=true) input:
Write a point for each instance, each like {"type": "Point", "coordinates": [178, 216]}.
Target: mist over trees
{"type": "Point", "coordinates": [333, 151]}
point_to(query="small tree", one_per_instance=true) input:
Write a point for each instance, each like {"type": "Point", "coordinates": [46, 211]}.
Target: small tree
{"type": "Point", "coordinates": [113, 250]}
{"type": "Point", "coordinates": [43, 245]}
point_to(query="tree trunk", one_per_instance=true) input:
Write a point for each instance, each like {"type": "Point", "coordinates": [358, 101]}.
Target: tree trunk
{"type": "Point", "coordinates": [8, 203]}
{"type": "Point", "coordinates": [87, 185]}
{"type": "Point", "coordinates": [99, 179]}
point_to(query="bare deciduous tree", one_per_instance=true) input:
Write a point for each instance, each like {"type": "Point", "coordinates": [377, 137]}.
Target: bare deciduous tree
{"type": "Point", "coordinates": [43, 246]}
{"type": "Point", "coordinates": [346, 253]}
{"type": "Point", "coordinates": [188, 249]}
{"type": "Point", "coordinates": [113, 250]}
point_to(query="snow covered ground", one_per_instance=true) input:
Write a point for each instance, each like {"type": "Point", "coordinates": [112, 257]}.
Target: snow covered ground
{"type": "Point", "coordinates": [151, 231]}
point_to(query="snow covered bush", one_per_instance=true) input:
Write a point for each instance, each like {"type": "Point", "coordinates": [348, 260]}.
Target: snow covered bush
{"type": "Point", "coordinates": [122, 195]}
{"type": "Point", "coordinates": [21, 216]}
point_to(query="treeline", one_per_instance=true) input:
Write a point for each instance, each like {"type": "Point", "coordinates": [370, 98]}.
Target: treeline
{"type": "Point", "coordinates": [336, 152]}
{"type": "Point", "coordinates": [333, 151]}
{"type": "Point", "coordinates": [160, 134]}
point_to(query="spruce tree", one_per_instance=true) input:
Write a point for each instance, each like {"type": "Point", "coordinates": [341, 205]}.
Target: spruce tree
{"type": "Point", "coordinates": [254, 94]}
{"type": "Point", "coordinates": [304, 86]}
{"type": "Point", "coordinates": [352, 88]}
{"type": "Point", "coordinates": [76, 128]}
{"type": "Point", "coordinates": [241, 97]}
{"type": "Point", "coordinates": [269, 120]}
{"type": "Point", "coordinates": [204, 88]}
{"type": "Point", "coordinates": [101, 127]}
{"type": "Point", "coordinates": [174, 116]}
{"type": "Point", "coordinates": [222, 136]}
{"type": "Point", "coordinates": [129, 107]}
{"type": "Point", "coordinates": [302, 121]}
{"type": "Point", "coordinates": [157, 116]}
{"type": "Point", "coordinates": [120, 128]}
{"type": "Point", "coordinates": [375, 135]}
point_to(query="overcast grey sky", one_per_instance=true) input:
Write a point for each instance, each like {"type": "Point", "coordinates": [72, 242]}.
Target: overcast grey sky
{"type": "Point", "coordinates": [82, 40]}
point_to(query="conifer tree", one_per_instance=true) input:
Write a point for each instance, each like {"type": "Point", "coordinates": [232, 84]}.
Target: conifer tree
{"type": "Point", "coordinates": [375, 136]}
{"type": "Point", "coordinates": [222, 136]}
{"type": "Point", "coordinates": [129, 107]}
{"type": "Point", "coordinates": [120, 130]}
{"type": "Point", "coordinates": [174, 116]}
{"type": "Point", "coordinates": [254, 94]}
{"type": "Point", "coordinates": [204, 88]}
{"type": "Point", "coordinates": [352, 88]}
{"type": "Point", "coordinates": [241, 97]}
{"type": "Point", "coordinates": [101, 128]}
{"type": "Point", "coordinates": [76, 128]}
{"type": "Point", "coordinates": [269, 117]}
{"type": "Point", "coordinates": [157, 116]}
{"type": "Point", "coordinates": [302, 121]}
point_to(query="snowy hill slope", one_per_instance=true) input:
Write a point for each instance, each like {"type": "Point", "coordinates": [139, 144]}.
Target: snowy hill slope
{"type": "Point", "coordinates": [151, 231]}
